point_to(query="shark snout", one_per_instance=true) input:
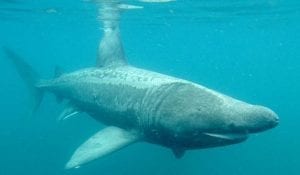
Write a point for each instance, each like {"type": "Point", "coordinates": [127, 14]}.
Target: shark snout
{"type": "Point", "coordinates": [271, 117]}
{"type": "Point", "coordinates": [275, 120]}
{"type": "Point", "coordinates": [261, 119]}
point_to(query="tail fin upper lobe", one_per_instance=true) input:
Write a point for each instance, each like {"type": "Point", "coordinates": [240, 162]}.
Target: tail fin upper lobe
{"type": "Point", "coordinates": [29, 75]}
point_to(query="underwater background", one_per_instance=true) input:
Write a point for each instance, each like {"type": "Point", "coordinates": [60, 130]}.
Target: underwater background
{"type": "Point", "coordinates": [248, 49]}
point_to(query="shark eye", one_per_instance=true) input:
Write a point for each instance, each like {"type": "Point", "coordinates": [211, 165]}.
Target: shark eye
{"type": "Point", "coordinates": [199, 109]}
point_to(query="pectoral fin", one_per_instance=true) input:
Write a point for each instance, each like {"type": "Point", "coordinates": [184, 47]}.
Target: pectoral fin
{"type": "Point", "coordinates": [68, 112]}
{"type": "Point", "coordinates": [102, 143]}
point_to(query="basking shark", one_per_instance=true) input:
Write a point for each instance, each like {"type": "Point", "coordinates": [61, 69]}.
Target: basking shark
{"type": "Point", "coordinates": [139, 105]}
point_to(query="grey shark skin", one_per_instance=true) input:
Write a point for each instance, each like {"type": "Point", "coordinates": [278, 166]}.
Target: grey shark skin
{"type": "Point", "coordinates": [141, 105]}
{"type": "Point", "coordinates": [156, 108]}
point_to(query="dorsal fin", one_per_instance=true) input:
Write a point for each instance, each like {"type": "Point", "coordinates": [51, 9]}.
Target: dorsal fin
{"type": "Point", "coordinates": [58, 71]}
{"type": "Point", "coordinates": [111, 51]}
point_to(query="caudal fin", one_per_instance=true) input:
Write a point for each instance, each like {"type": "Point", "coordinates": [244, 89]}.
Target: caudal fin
{"type": "Point", "coordinates": [29, 76]}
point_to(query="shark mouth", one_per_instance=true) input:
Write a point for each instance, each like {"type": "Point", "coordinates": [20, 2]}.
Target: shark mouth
{"type": "Point", "coordinates": [228, 136]}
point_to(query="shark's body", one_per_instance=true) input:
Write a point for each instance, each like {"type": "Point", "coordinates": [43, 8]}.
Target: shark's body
{"type": "Point", "coordinates": [141, 105]}
{"type": "Point", "coordinates": [144, 102]}
{"type": "Point", "coordinates": [134, 99]}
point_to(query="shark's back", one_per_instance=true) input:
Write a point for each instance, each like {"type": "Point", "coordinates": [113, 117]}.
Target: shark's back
{"type": "Point", "coordinates": [114, 95]}
{"type": "Point", "coordinates": [123, 75]}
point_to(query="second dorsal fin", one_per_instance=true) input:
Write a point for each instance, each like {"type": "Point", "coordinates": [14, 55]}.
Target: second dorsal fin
{"type": "Point", "coordinates": [58, 71]}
